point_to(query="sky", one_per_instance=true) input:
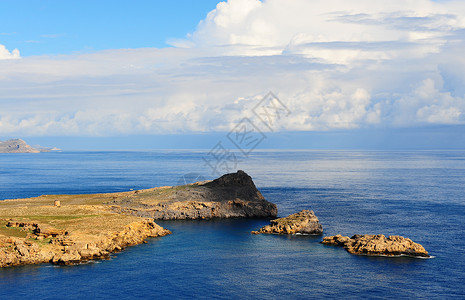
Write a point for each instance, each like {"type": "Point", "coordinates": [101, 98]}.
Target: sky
{"type": "Point", "coordinates": [379, 72]}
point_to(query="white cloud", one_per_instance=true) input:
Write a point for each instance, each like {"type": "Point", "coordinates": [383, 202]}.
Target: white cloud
{"type": "Point", "coordinates": [5, 54]}
{"type": "Point", "coordinates": [331, 30]}
{"type": "Point", "coordinates": [334, 64]}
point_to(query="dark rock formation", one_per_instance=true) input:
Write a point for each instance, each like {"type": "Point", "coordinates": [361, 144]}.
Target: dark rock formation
{"type": "Point", "coordinates": [377, 245]}
{"type": "Point", "coordinates": [304, 222]}
{"type": "Point", "coordinates": [230, 196]}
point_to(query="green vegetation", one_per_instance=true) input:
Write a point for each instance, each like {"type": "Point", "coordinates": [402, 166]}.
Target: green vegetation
{"type": "Point", "coordinates": [12, 231]}
{"type": "Point", "coordinates": [42, 242]}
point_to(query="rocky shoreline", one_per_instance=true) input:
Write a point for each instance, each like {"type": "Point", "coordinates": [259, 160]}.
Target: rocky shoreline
{"type": "Point", "coordinates": [46, 244]}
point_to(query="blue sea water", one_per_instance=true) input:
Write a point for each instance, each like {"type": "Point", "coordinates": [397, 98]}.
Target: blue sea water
{"type": "Point", "coordinates": [417, 194]}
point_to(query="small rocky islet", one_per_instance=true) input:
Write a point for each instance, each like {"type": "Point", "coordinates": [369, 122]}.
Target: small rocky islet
{"type": "Point", "coordinates": [303, 222]}
{"type": "Point", "coordinates": [70, 229]}
{"type": "Point", "coordinates": [377, 245]}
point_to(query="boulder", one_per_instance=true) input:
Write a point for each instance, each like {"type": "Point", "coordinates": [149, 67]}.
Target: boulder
{"type": "Point", "coordinates": [303, 222]}
{"type": "Point", "coordinates": [377, 245]}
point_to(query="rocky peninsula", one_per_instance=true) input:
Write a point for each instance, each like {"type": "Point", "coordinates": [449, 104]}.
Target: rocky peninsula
{"type": "Point", "coordinates": [303, 222]}
{"type": "Point", "coordinates": [68, 229]}
{"type": "Point", "coordinates": [377, 245]}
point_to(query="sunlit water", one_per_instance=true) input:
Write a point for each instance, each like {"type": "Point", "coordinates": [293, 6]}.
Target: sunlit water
{"type": "Point", "coordinates": [419, 195]}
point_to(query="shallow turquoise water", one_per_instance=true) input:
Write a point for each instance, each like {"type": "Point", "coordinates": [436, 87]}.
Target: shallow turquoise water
{"type": "Point", "coordinates": [416, 194]}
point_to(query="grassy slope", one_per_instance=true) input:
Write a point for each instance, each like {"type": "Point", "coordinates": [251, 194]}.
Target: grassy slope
{"type": "Point", "coordinates": [82, 214]}
{"type": "Point", "coordinates": [85, 213]}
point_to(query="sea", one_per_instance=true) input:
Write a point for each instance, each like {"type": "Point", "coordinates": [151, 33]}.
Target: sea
{"type": "Point", "coordinates": [416, 194]}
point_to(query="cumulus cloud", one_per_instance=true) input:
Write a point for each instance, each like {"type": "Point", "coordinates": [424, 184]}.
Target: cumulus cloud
{"type": "Point", "coordinates": [331, 30]}
{"type": "Point", "coordinates": [5, 54]}
{"type": "Point", "coordinates": [335, 64]}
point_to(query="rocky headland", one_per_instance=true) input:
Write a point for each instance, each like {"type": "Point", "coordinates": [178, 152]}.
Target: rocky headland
{"type": "Point", "coordinates": [377, 245]}
{"type": "Point", "coordinates": [68, 229]}
{"type": "Point", "coordinates": [303, 222]}
{"type": "Point", "coordinates": [230, 196]}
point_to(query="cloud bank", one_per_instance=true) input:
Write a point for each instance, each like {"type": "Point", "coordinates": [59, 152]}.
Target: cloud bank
{"type": "Point", "coordinates": [335, 64]}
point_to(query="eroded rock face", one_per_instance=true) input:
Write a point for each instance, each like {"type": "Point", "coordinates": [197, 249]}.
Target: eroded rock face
{"type": "Point", "coordinates": [377, 245]}
{"type": "Point", "coordinates": [59, 247]}
{"type": "Point", "coordinates": [304, 222]}
{"type": "Point", "coordinates": [232, 195]}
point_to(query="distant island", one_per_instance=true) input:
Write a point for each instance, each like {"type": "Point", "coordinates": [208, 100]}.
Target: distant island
{"type": "Point", "coordinates": [20, 146]}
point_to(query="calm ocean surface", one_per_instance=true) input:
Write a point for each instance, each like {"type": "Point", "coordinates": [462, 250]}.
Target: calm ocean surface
{"type": "Point", "coordinates": [417, 194]}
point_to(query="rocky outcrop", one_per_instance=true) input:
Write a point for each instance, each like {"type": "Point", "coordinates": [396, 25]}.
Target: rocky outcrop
{"type": "Point", "coordinates": [377, 245]}
{"type": "Point", "coordinates": [303, 222]}
{"type": "Point", "coordinates": [47, 244]}
{"type": "Point", "coordinates": [230, 196]}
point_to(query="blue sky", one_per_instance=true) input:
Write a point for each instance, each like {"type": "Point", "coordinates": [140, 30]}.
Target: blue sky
{"type": "Point", "coordinates": [343, 70]}
{"type": "Point", "coordinates": [65, 27]}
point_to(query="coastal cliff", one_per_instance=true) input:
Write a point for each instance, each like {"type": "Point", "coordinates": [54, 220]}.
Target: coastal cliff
{"type": "Point", "coordinates": [230, 196]}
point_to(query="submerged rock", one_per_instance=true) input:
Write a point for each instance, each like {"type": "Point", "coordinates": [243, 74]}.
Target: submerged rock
{"type": "Point", "coordinates": [304, 222]}
{"type": "Point", "coordinates": [377, 245]}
